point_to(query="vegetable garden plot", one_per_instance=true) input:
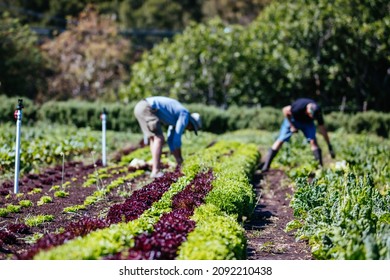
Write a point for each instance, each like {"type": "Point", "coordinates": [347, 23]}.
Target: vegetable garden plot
{"type": "Point", "coordinates": [119, 236]}
{"type": "Point", "coordinates": [39, 148]}
{"type": "Point", "coordinates": [139, 201]}
{"type": "Point", "coordinates": [53, 199]}
{"type": "Point", "coordinates": [213, 230]}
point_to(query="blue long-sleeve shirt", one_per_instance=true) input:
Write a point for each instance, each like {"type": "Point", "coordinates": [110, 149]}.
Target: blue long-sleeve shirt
{"type": "Point", "coordinates": [172, 113]}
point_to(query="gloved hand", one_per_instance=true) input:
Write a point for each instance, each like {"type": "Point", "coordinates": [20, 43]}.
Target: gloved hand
{"type": "Point", "coordinates": [332, 153]}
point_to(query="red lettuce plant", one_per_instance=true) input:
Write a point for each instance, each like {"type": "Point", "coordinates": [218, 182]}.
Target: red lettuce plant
{"type": "Point", "coordinates": [19, 228]}
{"type": "Point", "coordinates": [141, 199]}
{"type": "Point", "coordinates": [80, 228]}
{"type": "Point", "coordinates": [173, 227]}
{"type": "Point", "coordinates": [7, 237]}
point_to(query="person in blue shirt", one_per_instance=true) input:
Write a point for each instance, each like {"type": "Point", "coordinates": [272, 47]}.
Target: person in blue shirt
{"type": "Point", "coordinates": [154, 111]}
{"type": "Point", "coordinates": [300, 115]}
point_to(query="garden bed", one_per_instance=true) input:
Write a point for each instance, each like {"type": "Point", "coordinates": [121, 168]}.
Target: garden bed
{"type": "Point", "coordinates": [100, 198]}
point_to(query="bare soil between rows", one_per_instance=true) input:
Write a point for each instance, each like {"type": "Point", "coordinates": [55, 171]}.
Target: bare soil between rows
{"type": "Point", "coordinates": [267, 239]}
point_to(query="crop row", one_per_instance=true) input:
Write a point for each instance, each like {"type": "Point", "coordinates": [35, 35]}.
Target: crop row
{"type": "Point", "coordinates": [55, 183]}
{"type": "Point", "coordinates": [172, 227]}
{"type": "Point", "coordinates": [48, 197]}
{"type": "Point", "coordinates": [344, 212]}
{"type": "Point", "coordinates": [231, 163]}
{"type": "Point", "coordinates": [44, 144]}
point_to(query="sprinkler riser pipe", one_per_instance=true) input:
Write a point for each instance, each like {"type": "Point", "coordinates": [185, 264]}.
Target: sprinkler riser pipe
{"type": "Point", "coordinates": [104, 157]}
{"type": "Point", "coordinates": [18, 115]}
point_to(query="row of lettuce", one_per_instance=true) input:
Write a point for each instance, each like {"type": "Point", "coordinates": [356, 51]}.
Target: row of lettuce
{"type": "Point", "coordinates": [344, 210]}
{"type": "Point", "coordinates": [210, 217]}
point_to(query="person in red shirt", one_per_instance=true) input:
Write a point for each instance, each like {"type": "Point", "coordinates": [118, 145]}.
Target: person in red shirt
{"type": "Point", "coordinates": [300, 115]}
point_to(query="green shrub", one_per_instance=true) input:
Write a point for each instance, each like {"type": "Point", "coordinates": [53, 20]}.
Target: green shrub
{"type": "Point", "coordinates": [120, 117]}
{"type": "Point", "coordinates": [214, 119]}
{"type": "Point", "coordinates": [266, 118]}
{"type": "Point", "coordinates": [322, 48]}
{"type": "Point", "coordinates": [370, 122]}
{"type": "Point", "coordinates": [360, 123]}
{"type": "Point", "coordinates": [336, 120]}
{"type": "Point", "coordinates": [8, 106]}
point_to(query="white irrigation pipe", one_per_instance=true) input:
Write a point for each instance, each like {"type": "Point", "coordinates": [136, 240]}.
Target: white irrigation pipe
{"type": "Point", "coordinates": [18, 117]}
{"type": "Point", "coordinates": [104, 118]}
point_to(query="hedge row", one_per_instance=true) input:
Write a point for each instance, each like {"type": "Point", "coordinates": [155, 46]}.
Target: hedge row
{"type": "Point", "coordinates": [121, 118]}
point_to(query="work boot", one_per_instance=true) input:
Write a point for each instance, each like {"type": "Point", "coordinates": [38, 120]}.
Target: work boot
{"type": "Point", "coordinates": [270, 156]}
{"type": "Point", "coordinates": [318, 155]}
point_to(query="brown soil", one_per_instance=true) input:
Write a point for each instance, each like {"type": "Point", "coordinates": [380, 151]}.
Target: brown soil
{"type": "Point", "coordinates": [267, 239]}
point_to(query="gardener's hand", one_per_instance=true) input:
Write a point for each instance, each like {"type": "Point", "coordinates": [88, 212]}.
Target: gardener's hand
{"type": "Point", "coordinates": [332, 153]}
{"type": "Point", "coordinates": [293, 129]}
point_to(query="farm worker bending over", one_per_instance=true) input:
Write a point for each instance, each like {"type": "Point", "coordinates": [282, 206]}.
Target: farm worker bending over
{"type": "Point", "coordinates": [151, 112]}
{"type": "Point", "coordinates": [300, 115]}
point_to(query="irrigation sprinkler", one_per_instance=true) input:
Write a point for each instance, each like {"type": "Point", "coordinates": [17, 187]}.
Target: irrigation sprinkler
{"type": "Point", "coordinates": [18, 117]}
{"type": "Point", "coordinates": [103, 117]}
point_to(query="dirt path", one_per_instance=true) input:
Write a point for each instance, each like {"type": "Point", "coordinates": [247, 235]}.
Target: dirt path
{"type": "Point", "coordinates": [267, 239]}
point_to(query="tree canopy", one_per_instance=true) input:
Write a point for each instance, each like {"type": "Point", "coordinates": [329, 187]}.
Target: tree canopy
{"type": "Point", "coordinates": [22, 65]}
{"type": "Point", "coordinates": [141, 14]}
{"type": "Point", "coordinates": [331, 50]}
{"type": "Point", "coordinates": [328, 50]}
{"type": "Point", "coordinates": [88, 60]}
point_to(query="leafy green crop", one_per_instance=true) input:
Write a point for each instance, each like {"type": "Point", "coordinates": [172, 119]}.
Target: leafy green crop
{"type": "Point", "coordinates": [217, 236]}
{"type": "Point", "coordinates": [34, 221]}
{"type": "Point", "coordinates": [344, 210]}
{"type": "Point", "coordinates": [25, 203]}
{"type": "Point", "coordinates": [44, 199]}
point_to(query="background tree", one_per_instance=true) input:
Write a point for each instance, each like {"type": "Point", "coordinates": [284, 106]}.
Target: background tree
{"type": "Point", "coordinates": [233, 11]}
{"type": "Point", "coordinates": [88, 59]}
{"type": "Point", "coordinates": [347, 45]}
{"type": "Point", "coordinates": [53, 13]}
{"type": "Point", "coordinates": [327, 50]}
{"type": "Point", "coordinates": [158, 14]}
{"type": "Point", "coordinates": [197, 66]}
{"type": "Point", "coordinates": [22, 66]}
{"type": "Point", "coordinates": [142, 14]}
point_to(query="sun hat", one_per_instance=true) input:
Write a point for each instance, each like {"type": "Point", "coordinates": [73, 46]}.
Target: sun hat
{"type": "Point", "coordinates": [196, 122]}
